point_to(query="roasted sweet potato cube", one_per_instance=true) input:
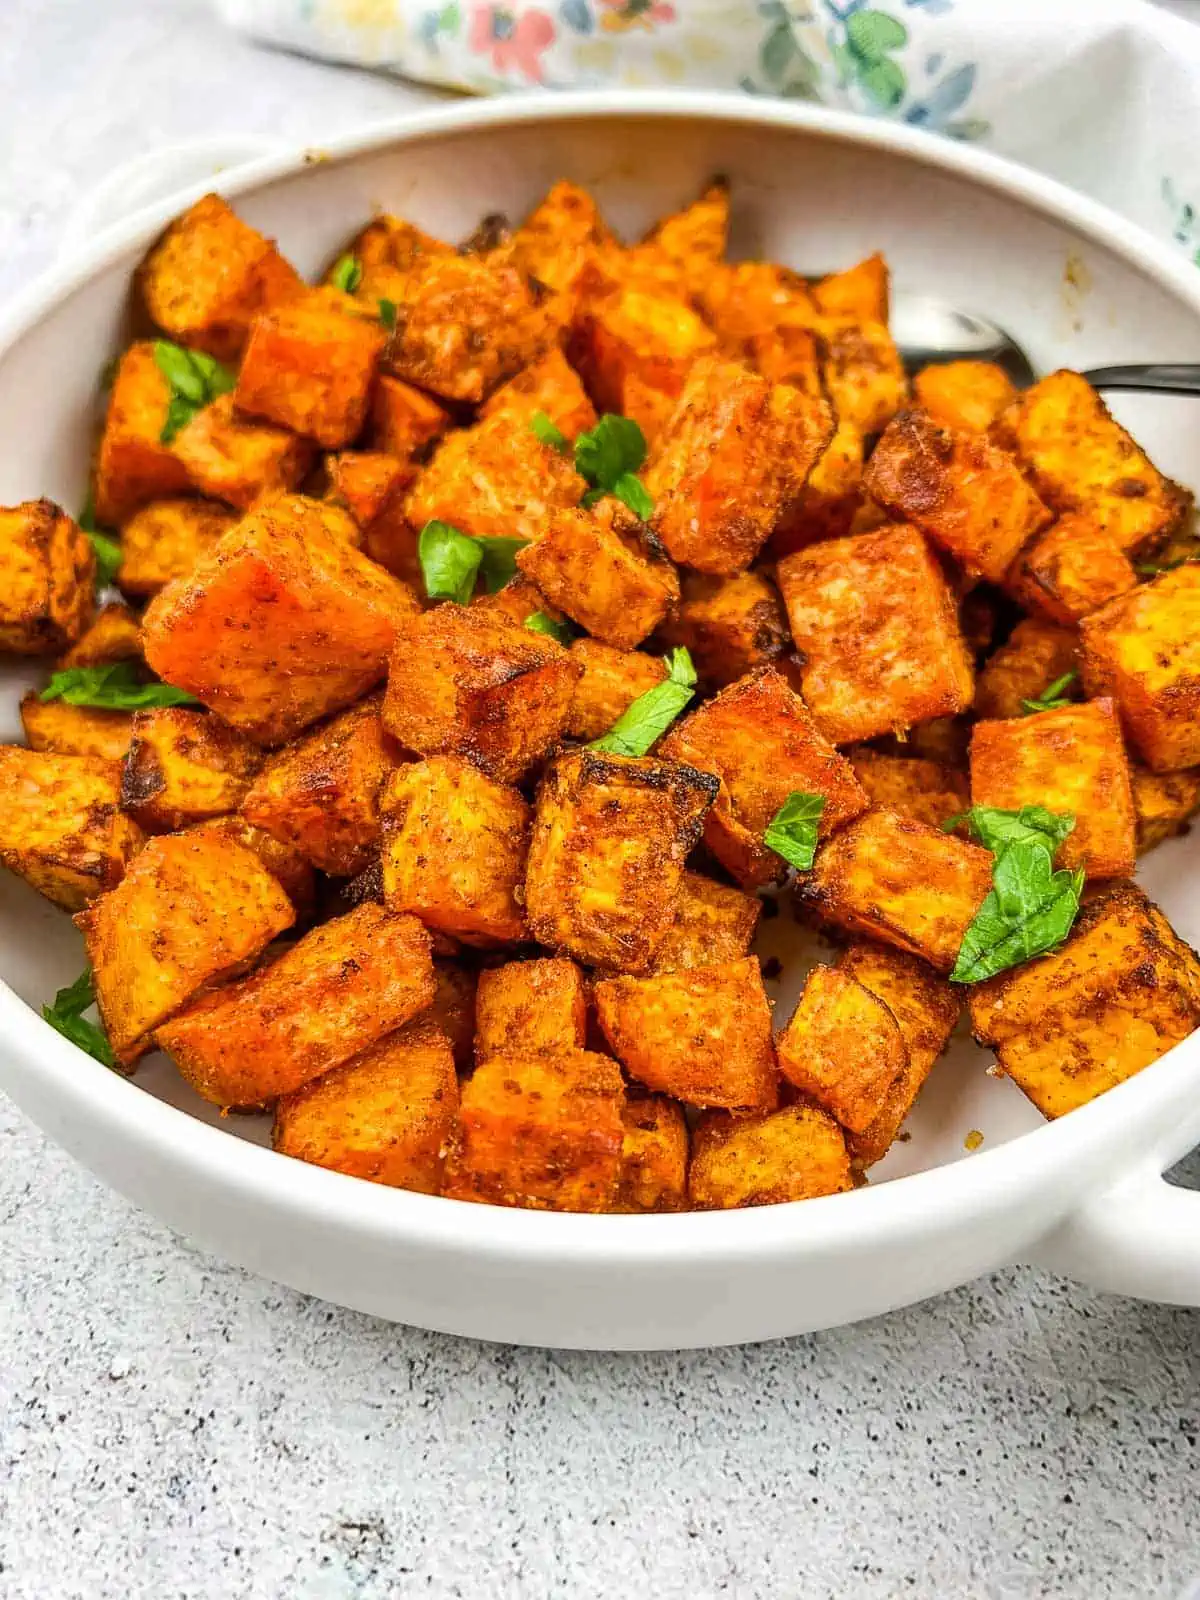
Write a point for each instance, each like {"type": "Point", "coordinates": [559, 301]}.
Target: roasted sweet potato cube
{"type": "Point", "coordinates": [831, 500]}
{"type": "Point", "coordinates": [610, 682]}
{"type": "Point", "coordinates": [549, 385]}
{"type": "Point", "coordinates": [560, 237]}
{"type": "Point", "coordinates": [279, 624]}
{"type": "Point", "coordinates": [165, 539]}
{"type": "Point", "coordinates": [764, 314]}
{"type": "Point", "coordinates": [183, 766]}
{"type": "Point", "coordinates": [758, 739]}
{"type": "Point", "coordinates": [321, 794]}
{"type": "Point", "coordinates": [527, 1007]}
{"type": "Point", "coordinates": [925, 1008]}
{"type": "Point", "coordinates": [890, 878]}
{"type": "Point", "coordinates": [516, 602]}
{"type": "Point", "coordinates": [47, 579]}
{"type": "Point", "coordinates": [309, 366]}
{"type": "Point", "coordinates": [794, 1154]}
{"type": "Point", "coordinates": [842, 1048]}
{"type": "Point", "coordinates": [1144, 650]}
{"type": "Point", "coordinates": [364, 482]}
{"type": "Point", "coordinates": [453, 1007]}
{"type": "Point", "coordinates": [714, 923]}
{"type": "Point", "coordinates": [404, 422]}
{"type": "Point", "coordinates": [1068, 760]}
{"type": "Point", "coordinates": [1117, 995]}
{"type": "Point", "coordinates": [594, 566]}
{"type": "Point", "coordinates": [386, 1115]}
{"type": "Point", "coordinates": [1163, 802]}
{"type": "Point", "coordinates": [861, 292]}
{"type": "Point", "coordinates": [689, 243]}
{"type": "Point", "coordinates": [337, 991]}
{"type": "Point", "coordinates": [1070, 570]}
{"type": "Point", "coordinates": [386, 246]}
{"type": "Point", "coordinates": [654, 1155]}
{"type": "Point", "coordinates": [210, 275]}
{"type": "Point", "coordinates": [967, 495]}
{"type": "Point", "coordinates": [543, 1132]}
{"type": "Point", "coordinates": [190, 910]}
{"type": "Point", "coordinates": [735, 452]}
{"type": "Point", "coordinates": [60, 826]}
{"type": "Point", "coordinates": [627, 333]}
{"type": "Point", "coordinates": [281, 861]}
{"type": "Point", "coordinates": [494, 480]}
{"type": "Point", "coordinates": [454, 849]}
{"type": "Point", "coordinates": [238, 460]}
{"type": "Point", "coordinates": [1082, 460]}
{"type": "Point", "coordinates": [729, 625]}
{"type": "Point", "coordinates": [863, 372]}
{"type": "Point", "coordinates": [927, 791]}
{"type": "Point", "coordinates": [877, 625]}
{"type": "Point", "coordinates": [1036, 654]}
{"type": "Point", "coordinates": [75, 730]}
{"type": "Point", "coordinates": [115, 634]}
{"type": "Point", "coordinates": [967, 395]}
{"type": "Point", "coordinates": [609, 839]}
{"type": "Point", "coordinates": [133, 465]}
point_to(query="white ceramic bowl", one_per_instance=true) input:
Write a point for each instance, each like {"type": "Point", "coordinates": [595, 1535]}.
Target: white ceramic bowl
{"type": "Point", "coordinates": [817, 190]}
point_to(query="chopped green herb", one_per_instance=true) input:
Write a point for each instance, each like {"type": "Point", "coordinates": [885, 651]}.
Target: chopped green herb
{"type": "Point", "coordinates": [387, 313]}
{"type": "Point", "coordinates": [451, 562]}
{"type": "Point", "coordinates": [995, 828]}
{"type": "Point", "coordinates": [66, 1015]}
{"type": "Point", "coordinates": [1052, 696]}
{"type": "Point", "coordinates": [793, 829]}
{"type": "Point", "coordinates": [549, 432]}
{"type": "Point", "coordinates": [115, 687]}
{"type": "Point", "coordinates": [498, 564]}
{"type": "Point", "coordinates": [346, 274]}
{"type": "Point", "coordinates": [195, 381]}
{"type": "Point", "coordinates": [106, 548]}
{"type": "Point", "coordinates": [652, 713]}
{"type": "Point", "coordinates": [609, 456]}
{"type": "Point", "coordinates": [539, 622]}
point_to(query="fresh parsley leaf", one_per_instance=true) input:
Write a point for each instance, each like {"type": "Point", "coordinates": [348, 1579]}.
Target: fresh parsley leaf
{"type": "Point", "coordinates": [995, 828]}
{"type": "Point", "coordinates": [346, 274]}
{"type": "Point", "coordinates": [549, 432]}
{"type": "Point", "coordinates": [115, 687]}
{"type": "Point", "coordinates": [539, 622]}
{"type": "Point", "coordinates": [609, 456]}
{"type": "Point", "coordinates": [105, 547]}
{"type": "Point", "coordinates": [195, 381]}
{"type": "Point", "coordinates": [451, 562]}
{"type": "Point", "coordinates": [630, 489]}
{"type": "Point", "coordinates": [1052, 696]}
{"type": "Point", "coordinates": [387, 313]}
{"type": "Point", "coordinates": [652, 713]}
{"type": "Point", "coordinates": [792, 833]}
{"type": "Point", "coordinates": [66, 1015]}
{"type": "Point", "coordinates": [498, 565]}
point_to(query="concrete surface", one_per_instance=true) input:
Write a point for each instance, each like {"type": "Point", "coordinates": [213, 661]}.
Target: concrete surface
{"type": "Point", "coordinates": [170, 1427]}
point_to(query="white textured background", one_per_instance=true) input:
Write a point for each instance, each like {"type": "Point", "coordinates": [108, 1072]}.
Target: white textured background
{"type": "Point", "coordinates": [173, 1429]}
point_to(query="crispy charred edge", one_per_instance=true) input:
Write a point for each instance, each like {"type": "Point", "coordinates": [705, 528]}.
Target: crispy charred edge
{"type": "Point", "coordinates": [142, 776]}
{"type": "Point", "coordinates": [641, 772]}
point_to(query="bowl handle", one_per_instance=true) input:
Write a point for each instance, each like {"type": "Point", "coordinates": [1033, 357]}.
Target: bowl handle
{"type": "Point", "coordinates": [1140, 1238]}
{"type": "Point", "coordinates": [153, 176]}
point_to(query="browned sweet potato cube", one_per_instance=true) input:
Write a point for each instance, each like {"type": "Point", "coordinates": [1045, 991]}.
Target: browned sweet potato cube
{"type": "Point", "coordinates": [729, 625]}
{"type": "Point", "coordinates": [542, 1132]}
{"type": "Point", "coordinates": [496, 479]}
{"type": "Point", "coordinates": [1117, 995]}
{"type": "Point", "coordinates": [714, 923]}
{"type": "Point", "coordinates": [863, 372]}
{"type": "Point", "coordinates": [654, 1155]}
{"type": "Point", "coordinates": [765, 314]}
{"type": "Point", "coordinates": [279, 624]}
{"type": "Point", "coordinates": [364, 482]}
{"type": "Point", "coordinates": [827, 506]}
{"type": "Point", "coordinates": [609, 839]}
{"type": "Point", "coordinates": [165, 539]}
{"type": "Point", "coordinates": [281, 861]}
{"type": "Point", "coordinates": [968, 395]}
{"type": "Point", "coordinates": [925, 1008]}
{"type": "Point", "coordinates": [927, 791]}
{"type": "Point", "coordinates": [210, 275]}
{"type": "Point", "coordinates": [321, 794]}
{"type": "Point", "coordinates": [1036, 654]}
{"type": "Point", "coordinates": [1070, 570]}
{"type": "Point", "coordinates": [626, 333]}
{"type": "Point", "coordinates": [560, 238]}
{"type": "Point", "coordinates": [386, 1115]}
{"type": "Point", "coordinates": [453, 1007]}
{"type": "Point", "coordinates": [759, 740]}
{"type": "Point", "coordinates": [75, 730]}
{"type": "Point", "coordinates": [1144, 650]}
{"type": "Point", "coordinates": [60, 827]}
{"type": "Point", "coordinates": [594, 566]}
{"type": "Point", "coordinates": [702, 1034]}
{"type": "Point", "coordinates": [1163, 802]}
{"type": "Point", "coordinates": [682, 250]}
{"type": "Point", "coordinates": [1068, 760]}
{"type": "Point", "coordinates": [115, 634]}
{"type": "Point", "coordinates": [550, 385]}
{"type": "Point", "coordinates": [403, 420]}
{"type": "Point", "coordinates": [610, 682]}
{"type": "Point", "coordinates": [877, 625]}
{"type": "Point", "coordinates": [968, 496]}
{"type": "Point", "coordinates": [842, 1048]}
{"type": "Point", "coordinates": [735, 452]}
{"type": "Point", "coordinates": [183, 766]}
{"type": "Point", "coordinates": [454, 849]}
{"type": "Point", "coordinates": [516, 602]}
{"type": "Point", "coordinates": [466, 682]}
{"type": "Point", "coordinates": [133, 464]}
{"type": "Point", "coordinates": [527, 1007]}
{"type": "Point", "coordinates": [1082, 460]}
{"type": "Point", "coordinates": [794, 1154]}
{"type": "Point", "coordinates": [386, 246]}
{"type": "Point", "coordinates": [343, 986]}
{"type": "Point", "coordinates": [309, 366]}
{"type": "Point", "coordinates": [235, 459]}
{"type": "Point", "coordinates": [190, 910]}
{"type": "Point", "coordinates": [912, 886]}
{"type": "Point", "coordinates": [861, 291]}
{"type": "Point", "coordinates": [47, 579]}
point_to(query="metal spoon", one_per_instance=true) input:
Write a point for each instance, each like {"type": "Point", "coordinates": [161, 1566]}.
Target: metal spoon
{"type": "Point", "coordinates": [928, 331]}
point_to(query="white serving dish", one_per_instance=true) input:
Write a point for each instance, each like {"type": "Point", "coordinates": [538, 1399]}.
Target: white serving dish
{"type": "Point", "coordinates": [816, 189]}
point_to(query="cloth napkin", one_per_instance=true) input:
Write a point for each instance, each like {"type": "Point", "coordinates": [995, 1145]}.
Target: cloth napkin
{"type": "Point", "coordinates": [1101, 94]}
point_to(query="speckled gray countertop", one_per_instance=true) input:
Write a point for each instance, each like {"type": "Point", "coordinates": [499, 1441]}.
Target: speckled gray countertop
{"type": "Point", "coordinates": [170, 1427]}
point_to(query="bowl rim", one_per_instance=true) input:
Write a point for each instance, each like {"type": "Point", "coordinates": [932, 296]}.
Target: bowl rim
{"type": "Point", "coordinates": [1159, 1105]}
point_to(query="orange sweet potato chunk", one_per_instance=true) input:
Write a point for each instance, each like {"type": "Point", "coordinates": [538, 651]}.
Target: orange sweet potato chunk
{"type": "Point", "coordinates": [115, 634]}
{"type": "Point", "coordinates": [714, 923]}
{"type": "Point", "coordinates": [798, 1153]}
{"type": "Point", "coordinates": [165, 539]}
{"type": "Point", "coordinates": [730, 626]}
{"type": "Point", "coordinates": [526, 1007]}
{"type": "Point", "coordinates": [561, 237]}
{"type": "Point", "coordinates": [1070, 570]}
{"type": "Point", "coordinates": [182, 766]}
{"type": "Point", "coordinates": [549, 385]}
{"type": "Point", "coordinates": [133, 465]}
{"type": "Point", "coordinates": [75, 730]}
{"type": "Point", "coordinates": [627, 336]}
{"type": "Point", "coordinates": [967, 395]}
{"type": "Point", "coordinates": [1036, 654]}
{"type": "Point", "coordinates": [404, 421]}
{"type": "Point", "coordinates": [238, 460]}
{"type": "Point", "coordinates": [842, 1048]}
{"type": "Point", "coordinates": [47, 579]}
{"type": "Point", "coordinates": [654, 1155]}
{"type": "Point", "coordinates": [60, 827]}
{"type": "Point", "coordinates": [610, 682]}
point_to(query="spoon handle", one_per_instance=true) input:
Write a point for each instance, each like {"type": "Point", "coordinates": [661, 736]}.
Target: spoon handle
{"type": "Point", "coordinates": [1163, 377]}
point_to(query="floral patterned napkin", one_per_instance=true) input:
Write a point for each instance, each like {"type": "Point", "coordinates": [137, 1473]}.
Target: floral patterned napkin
{"type": "Point", "coordinates": [1102, 94]}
